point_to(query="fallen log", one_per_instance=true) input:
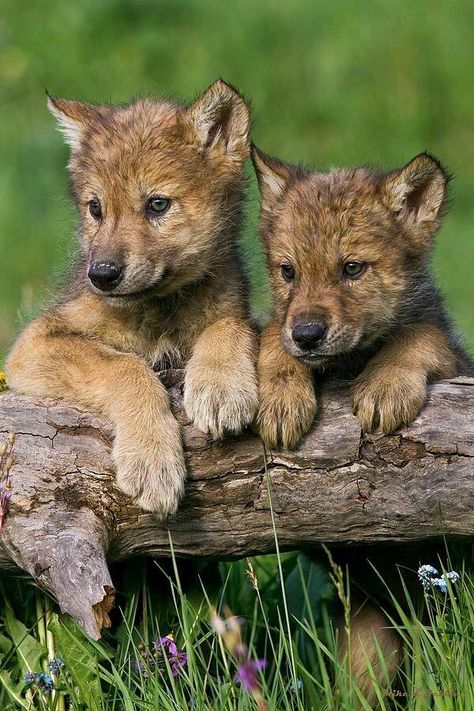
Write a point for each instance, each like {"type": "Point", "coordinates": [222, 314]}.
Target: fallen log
{"type": "Point", "coordinates": [67, 519]}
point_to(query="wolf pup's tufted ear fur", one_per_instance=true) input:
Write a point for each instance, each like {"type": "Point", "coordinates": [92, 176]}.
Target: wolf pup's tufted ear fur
{"type": "Point", "coordinates": [273, 175]}
{"type": "Point", "coordinates": [73, 117]}
{"type": "Point", "coordinates": [417, 193]}
{"type": "Point", "coordinates": [219, 122]}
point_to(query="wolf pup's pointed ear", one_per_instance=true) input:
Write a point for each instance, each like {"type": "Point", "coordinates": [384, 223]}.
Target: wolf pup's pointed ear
{"type": "Point", "coordinates": [273, 175]}
{"type": "Point", "coordinates": [72, 118]}
{"type": "Point", "coordinates": [220, 122]}
{"type": "Point", "coordinates": [417, 192]}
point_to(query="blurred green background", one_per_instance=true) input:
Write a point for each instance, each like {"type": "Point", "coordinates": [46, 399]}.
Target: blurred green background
{"type": "Point", "coordinates": [332, 83]}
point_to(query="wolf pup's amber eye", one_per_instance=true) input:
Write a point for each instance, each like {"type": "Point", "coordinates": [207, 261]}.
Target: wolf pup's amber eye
{"type": "Point", "coordinates": [287, 272]}
{"type": "Point", "coordinates": [157, 205]}
{"type": "Point", "coordinates": [353, 270]}
{"type": "Point", "coordinates": [95, 208]}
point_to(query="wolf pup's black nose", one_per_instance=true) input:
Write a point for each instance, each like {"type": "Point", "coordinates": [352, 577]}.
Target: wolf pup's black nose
{"type": "Point", "coordinates": [308, 335]}
{"type": "Point", "coordinates": [105, 275]}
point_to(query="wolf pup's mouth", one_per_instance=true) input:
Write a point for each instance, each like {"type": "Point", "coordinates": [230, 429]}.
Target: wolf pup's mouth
{"type": "Point", "coordinates": [141, 293]}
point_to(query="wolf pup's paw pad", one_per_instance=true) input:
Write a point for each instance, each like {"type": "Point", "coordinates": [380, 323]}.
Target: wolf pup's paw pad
{"type": "Point", "coordinates": [152, 472]}
{"type": "Point", "coordinates": [221, 402]}
{"type": "Point", "coordinates": [286, 414]}
{"type": "Point", "coordinates": [385, 400]}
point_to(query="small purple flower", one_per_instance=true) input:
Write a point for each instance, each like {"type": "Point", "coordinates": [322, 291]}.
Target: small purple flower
{"type": "Point", "coordinates": [139, 668]}
{"type": "Point", "coordinates": [42, 681]}
{"type": "Point", "coordinates": [178, 662]}
{"type": "Point", "coordinates": [177, 659]}
{"type": "Point", "coordinates": [55, 665]}
{"type": "Point", "coordinates": [144, 663]}
{"type": "Point", "coordinates": [5, 496]}
{"type": "Point", "coordinates": [247, 674]}
{"type": "Point", "coordinates": [166, 644]}
{"type": "Point", "coordinates": [164, 649]}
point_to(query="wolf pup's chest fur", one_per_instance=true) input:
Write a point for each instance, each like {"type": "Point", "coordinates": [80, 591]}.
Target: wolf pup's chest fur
{"type": "Point", "coordinates": [163, 330]}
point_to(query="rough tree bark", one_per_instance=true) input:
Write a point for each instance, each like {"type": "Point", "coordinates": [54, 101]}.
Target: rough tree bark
{"type": "Point", "coordinates": [66, 517]}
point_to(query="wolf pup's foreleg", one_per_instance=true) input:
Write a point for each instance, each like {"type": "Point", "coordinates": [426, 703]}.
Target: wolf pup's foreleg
{"type": "Point", "coordinates": [391, 390]}
{"type": "Point", "coordinates": [286, 391]}
{"type": "Point", "coordinates": [220, 387]}
{"type": "Point", "coordinates": [147, 449]}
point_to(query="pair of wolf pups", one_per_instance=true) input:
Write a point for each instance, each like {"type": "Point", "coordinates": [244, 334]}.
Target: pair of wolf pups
{"type": "Point", "coordinates": [159, 187]}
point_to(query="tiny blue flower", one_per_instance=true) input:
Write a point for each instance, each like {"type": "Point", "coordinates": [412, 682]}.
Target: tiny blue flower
{"type": "Point", "coordinates": [439, 583]}
{"type": "Point", "coordinates": [427, 570]}
{"type": "Point", "coordinates": [42, 681]}
{"type": "Point", "coordinates": [430, 578]}
{"type": "Point", "coordinates": [453, 577]}
{"type": "Point", "coordinates": [55, 665]}
{"type": "Point", "coordinates": [426, 574]}
{"type": "Point", "coordinates": [296, 687]}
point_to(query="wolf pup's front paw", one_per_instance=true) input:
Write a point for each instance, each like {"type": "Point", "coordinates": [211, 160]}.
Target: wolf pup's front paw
{"type": "Point", "coordinates": [221, 400]}
{"type": "Point", "coordinates": [151, 467]}
{"type": "Point", "coordinates": [385, 399]}
{"type": "Point", "coordinates": [286, 413]}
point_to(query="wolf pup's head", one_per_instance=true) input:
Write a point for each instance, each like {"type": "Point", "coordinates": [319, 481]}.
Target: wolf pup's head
{"type": "Point", "coordinates": [158, 187]}
{"type": "Point", "coordinates": [346, 250]}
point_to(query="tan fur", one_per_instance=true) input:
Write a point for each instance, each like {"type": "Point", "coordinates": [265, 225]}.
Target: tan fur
{"type": "Point", "coordinates": [372, 646]}
{"type": "Point", "coordinates": [181, 300]}
{"type": "Point", "coordinates": [391, 390]}
{"type": "Point", "coordinates": [385, 331]}
{"type": "Point", "coordinates": [287, 391]}
{"type": "Point", "coordinates": [387, 327]}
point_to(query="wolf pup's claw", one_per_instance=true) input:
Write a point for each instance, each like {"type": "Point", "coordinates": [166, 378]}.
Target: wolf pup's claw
{"type": "Point", "coordinates": [386, 399]}
{"type": "Point", "coordinates": [220, 401]}
{"type": "Point", "coordinates": [286, 414]}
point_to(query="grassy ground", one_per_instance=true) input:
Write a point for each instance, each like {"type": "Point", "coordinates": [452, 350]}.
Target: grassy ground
{"type": "Point", "coordinates": [284, 620]}
{"type": "Point", "coordinates": [331, 83]}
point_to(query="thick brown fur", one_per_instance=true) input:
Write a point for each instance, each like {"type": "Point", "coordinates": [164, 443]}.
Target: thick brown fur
{"type": "Point", "coordinates": [181, 300]}
{"type": "Point", "coordinates": [387, 329]}
{"type": "Point", "coordinates": [372, 648]}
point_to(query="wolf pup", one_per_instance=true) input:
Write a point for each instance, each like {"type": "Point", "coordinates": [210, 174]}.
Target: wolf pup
{"type": "Point", "coordinates": [158, 187]}
{"type": "Point", "coordinates": [349, 255]}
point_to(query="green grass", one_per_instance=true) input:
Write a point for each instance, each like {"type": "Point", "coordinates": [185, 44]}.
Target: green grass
{"type": "Point", "coordinates": [303, 671]}
{"type": "Point", "coordinates": [332, 83]}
